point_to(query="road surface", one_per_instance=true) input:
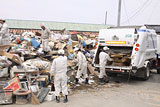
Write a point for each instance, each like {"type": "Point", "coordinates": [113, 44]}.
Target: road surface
{"type": "Point", "coordinates": [135, 93]}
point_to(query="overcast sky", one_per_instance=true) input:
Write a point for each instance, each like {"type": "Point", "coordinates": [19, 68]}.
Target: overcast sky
{"type": "Point", "coordinates": [134, 12]}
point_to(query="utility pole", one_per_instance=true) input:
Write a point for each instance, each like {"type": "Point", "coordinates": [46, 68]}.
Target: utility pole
{"type": "Point", "coordinates": [119, 13]}
{"type": "Point", "coordinates": [106, 18]}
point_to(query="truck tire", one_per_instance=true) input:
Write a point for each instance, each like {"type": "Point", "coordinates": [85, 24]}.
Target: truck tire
{"type": "Point", "coordinates": [146, 72]}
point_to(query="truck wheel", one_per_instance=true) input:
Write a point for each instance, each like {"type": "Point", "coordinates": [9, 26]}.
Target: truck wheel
{"type": "Point", "coordinates": [146, 72]}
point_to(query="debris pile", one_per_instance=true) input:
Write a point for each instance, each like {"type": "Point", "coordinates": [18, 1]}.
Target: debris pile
{"type": "Point", "coordinates": [26, 66]}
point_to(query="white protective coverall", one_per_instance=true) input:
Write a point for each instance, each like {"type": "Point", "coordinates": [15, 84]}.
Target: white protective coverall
{"type": "Point", "coordinates": [4, 35]}
{"type": "Point", "coordinates": [59, 68]}
{"type": "Point", "coordinates": [45, 36]}
{"type": "Point", "coordinates": [82, 63]}
{"type": "Point", "coordinates": [103, 57]}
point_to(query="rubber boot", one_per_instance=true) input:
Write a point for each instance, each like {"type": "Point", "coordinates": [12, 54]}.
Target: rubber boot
{"type": "Point", "coordinates": [65, 99]}
{"type": "Point", "coordinates": [76, 80]}
{"type": "Point", "coordinates": [101, 81]}
{"type": "Point", "coordinates": [86, 82]}
{"type": "Point", "coordinates": [57, 99]}
{"type": "Point", "coordinates": [106, 79]}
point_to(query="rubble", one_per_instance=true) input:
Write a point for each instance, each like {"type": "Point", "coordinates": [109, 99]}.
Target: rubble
{"type": "Point", "coordinates": [29, 66]}
{"type": "Point", "coordinates": [4, 98]}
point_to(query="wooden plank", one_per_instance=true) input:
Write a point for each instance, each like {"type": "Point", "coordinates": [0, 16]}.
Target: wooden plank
{"type": "Point", "coordinates": [126, 59]}
{"type": "Point", "coordinates": [117, 60]}
{"type": "Point", "coordinates": [12, 57]}
{"type": "Point", "coordinates": [117, 56]}
{"type": "Point", "coordinates": [3, 47]}
{"type": "Point", "coordinates": [91, 70]}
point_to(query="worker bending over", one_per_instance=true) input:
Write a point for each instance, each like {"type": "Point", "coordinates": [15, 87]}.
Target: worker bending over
{"type": "Point", "coordinates": [59, 69]}
{"type": "Point", "coordinates": [103, 57]}
{"type": "Point", "coordinates": [82, 66]}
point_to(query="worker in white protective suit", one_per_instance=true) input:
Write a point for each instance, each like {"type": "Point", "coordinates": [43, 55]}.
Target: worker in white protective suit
{"type": "Point", "coordinates": [4, 33]}
{"type": "Point", "coordinates": [103, 58]}
{"type": "Point", "coordinates": [46, 33]}
{"type": "Point", "coordinates": [59, 69]}
{"type": "Point", "coordinates": [82, 66]}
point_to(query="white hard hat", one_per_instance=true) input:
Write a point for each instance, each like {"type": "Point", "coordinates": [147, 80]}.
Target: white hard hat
{"type": "Point", "coordinates": [61, 52]}
{"type": "Point", "coordinates": [42, 25]}
{"type": "Point", "coordinates": [76, 49]}
{"type": "Point", "coordinates": [105, 48]}
{"type": "Point", "coordinates": [2, 19]}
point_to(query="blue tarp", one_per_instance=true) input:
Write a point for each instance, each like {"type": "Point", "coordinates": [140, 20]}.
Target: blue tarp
{"type": "Point", "coordinates": [35, 43]}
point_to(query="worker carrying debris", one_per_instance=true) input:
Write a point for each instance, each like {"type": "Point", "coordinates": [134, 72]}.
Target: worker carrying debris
{"type": "Point", "coordinates": [45, 36]}
{"type": "Point", "coordinates": [103, 57]}
{"type": "Point", "coordinates": [82, 65]}
{"type": "Point", "coordinates": [59, 69]}
{"type": "Point", "coordinates": [4, 33]}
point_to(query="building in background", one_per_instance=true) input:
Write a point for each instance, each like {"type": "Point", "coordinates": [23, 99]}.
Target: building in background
{"type": "Point", "coordinates": [20, 26]}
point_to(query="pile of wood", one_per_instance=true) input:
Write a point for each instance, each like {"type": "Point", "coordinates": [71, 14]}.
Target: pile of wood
{"type": "Point", "coordinates": [120, 60]}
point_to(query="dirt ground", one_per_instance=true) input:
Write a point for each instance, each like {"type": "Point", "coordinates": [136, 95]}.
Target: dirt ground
{"type": "Point", "coordinates": [135, 93]}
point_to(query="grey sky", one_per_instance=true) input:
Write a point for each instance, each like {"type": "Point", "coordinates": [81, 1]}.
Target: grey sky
{"type": "Point", "coordinates": [83, 11]}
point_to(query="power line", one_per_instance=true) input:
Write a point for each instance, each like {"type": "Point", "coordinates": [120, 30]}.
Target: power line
{"type": "Point", "coordinates": [153, 8]}
{"type": "Point", "coordinates": [126, 11]}
{"type": "Point", "coordinates": [134, 11]}
{"type": "Point", "coordinates": [145, 5]}
{"type": "Point", "coordinates": [139, 10]}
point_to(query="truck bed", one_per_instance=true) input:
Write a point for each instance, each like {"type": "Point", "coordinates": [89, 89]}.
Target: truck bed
{"type": "Point", "coordinates": [121, 57]}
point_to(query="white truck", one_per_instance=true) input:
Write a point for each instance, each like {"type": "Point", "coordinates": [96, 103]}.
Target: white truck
{"type": "Point", "coordinates": [133, 50]}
